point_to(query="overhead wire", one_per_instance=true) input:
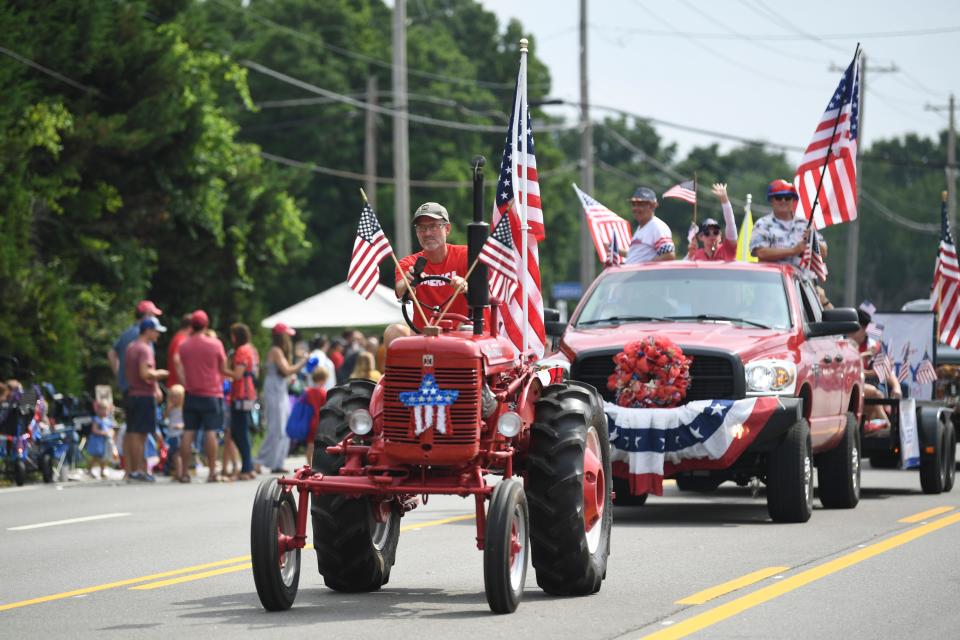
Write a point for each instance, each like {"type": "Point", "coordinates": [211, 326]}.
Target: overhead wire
{"type": "Point", "coordinates": [50, 72]}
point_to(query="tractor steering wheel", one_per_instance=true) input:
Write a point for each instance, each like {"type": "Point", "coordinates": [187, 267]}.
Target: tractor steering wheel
{"type": "Point", "coordinates": [427, 309]}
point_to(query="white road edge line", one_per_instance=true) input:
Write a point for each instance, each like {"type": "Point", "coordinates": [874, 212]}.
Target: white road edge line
{"type": "Point", "coordinates": [103, 516]}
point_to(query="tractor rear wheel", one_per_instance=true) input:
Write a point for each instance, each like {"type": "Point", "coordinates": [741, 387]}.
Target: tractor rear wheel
{"type": "Point", "coordinates": [276, 566]}
{"type": "Point", "coordinates": [506, 546]}
{"type": "Point", "coordinates": [569, 490]}
{"type": "Point", "coordinates": [355, 538]}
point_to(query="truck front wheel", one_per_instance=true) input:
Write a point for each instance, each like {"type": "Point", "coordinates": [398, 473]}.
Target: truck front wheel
{"type": "Point", "coordinates": [790, 476]}
{"type": "Point", "coordinates": [838, 470]}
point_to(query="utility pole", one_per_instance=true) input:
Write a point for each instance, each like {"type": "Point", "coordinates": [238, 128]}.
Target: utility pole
{"type": "Point", "coordinates": [951, 168]}
{"type": "Point", "coordinates": [853, 227]}
{"type": "Point", "coordinates": [401, 141]}
{"type": "Point", "coordinates": [370, 143]}
{"type": "Point", "coordinates": [587, 265]}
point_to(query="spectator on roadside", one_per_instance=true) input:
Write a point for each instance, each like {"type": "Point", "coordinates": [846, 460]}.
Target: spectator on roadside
{"type": "Point", "coordinates": [243, 394]}
{"type": "Point", "coordinates": [710, 234]}
{"type": "Point", "coordinates": [174, 411]}
{"type": "Point", "coordinates": [143, 394]}
{"type": "Point", "coordinates": [653, 240]}
{"type": "Point", "coordinates": [276, 403]}
{"type": "Point", "coordinates": [365, 368]}
{"type": "Point", "coordinates": [356, 342]}
{"type": "Point", "coordinates": [100, 444]}
{"type": "Point", "coordinates": [781, 236]}
{"type": "Point", "coordinates": [335, 353]}
{"type": "Point", "coordinates": [145, 309]}
{"type": "Point", "coordinates": [202, 364]}
{"type": "Point", "coordinates": [174, 347]}
{"type": "Point", "coordinates": [318, 350]}
{"type": "Point", "coordinates": [316, 396]}
{"type": "Point", "coordinates": [4, 392]}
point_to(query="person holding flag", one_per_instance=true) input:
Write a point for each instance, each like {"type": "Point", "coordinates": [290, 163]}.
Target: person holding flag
{"type": "Point", "coordinates": [653, 240]}
{"type": "Point", "coordinates": [782, 236]}
{"type": "Point", "coordinates": [710, 235]}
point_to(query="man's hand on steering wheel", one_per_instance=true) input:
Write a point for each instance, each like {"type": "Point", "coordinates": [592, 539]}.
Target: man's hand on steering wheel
{"type": "Point", "coordinates": [432, 312]}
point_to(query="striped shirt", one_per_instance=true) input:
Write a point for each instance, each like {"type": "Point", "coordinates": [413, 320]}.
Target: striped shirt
{"type": "Point", "coordinates": [649, 241]}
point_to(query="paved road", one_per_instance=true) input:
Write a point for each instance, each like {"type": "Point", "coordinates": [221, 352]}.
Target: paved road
{"type": "Point", "coordinates": [172, 560]}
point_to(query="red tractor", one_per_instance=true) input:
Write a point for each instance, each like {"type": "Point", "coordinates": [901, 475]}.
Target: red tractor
{"type": "Point", "coordinates": [454, 406]}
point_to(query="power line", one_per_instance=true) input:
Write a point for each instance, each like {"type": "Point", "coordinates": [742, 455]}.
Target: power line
{"type": "Point", "coordinates": [50, 72]}
{"type": "Point", "coordinates": [444, 102]}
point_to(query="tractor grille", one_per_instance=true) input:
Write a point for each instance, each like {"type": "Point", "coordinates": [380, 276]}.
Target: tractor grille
{"type": "Point", "coordinates": [713, 375]}
{"type": "Point", "coordinates": [464, 423]}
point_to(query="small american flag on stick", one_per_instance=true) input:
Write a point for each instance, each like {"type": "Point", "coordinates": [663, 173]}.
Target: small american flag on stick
{"type": "Point", "coordinates": [370, 247]}
{"type": "Point", "coordinates": [882, 366]}
{"type": "Point", "coordinates": [926, 374]}
{"type": "Point", "coordinates": [812, 259]}
{"type": "Point", "coordinates": [683, 191]}
{"type": "Point", "coordinates": [498, 253]}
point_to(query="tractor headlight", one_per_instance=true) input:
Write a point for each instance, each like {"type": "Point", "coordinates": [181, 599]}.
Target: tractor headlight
{"type": "Point", "coordinates": [509, 424]}
{"type": "Point", "coordinates": [360, 421]}
{"type": "Point", "coordinates": [771, 376]}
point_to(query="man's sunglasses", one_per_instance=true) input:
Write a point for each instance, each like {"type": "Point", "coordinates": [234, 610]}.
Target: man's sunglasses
{"type": "Point", "coordinates": [782, 198]}
{"type": "Point", "coordinates": [711, 231]}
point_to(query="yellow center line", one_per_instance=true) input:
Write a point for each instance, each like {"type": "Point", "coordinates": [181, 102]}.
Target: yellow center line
{"type": "Point", "coordinates": [732, 608]}
{"type": "Point", "coordinates": [433, 523]}
{"type": "Point", "coordinates": [924, 515]}
{"type": "Point", "coordinates": [732, 585]}
{"type": "Point", "coordinates": [191, 577]}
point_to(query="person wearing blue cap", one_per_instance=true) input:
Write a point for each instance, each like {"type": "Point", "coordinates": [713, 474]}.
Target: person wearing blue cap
{"type": "Point", "coordinates": [652, 241]}
{"type": "Point", "coordinates": [143, 394]}
{"type": "Point", "coordinates": [781, 236]}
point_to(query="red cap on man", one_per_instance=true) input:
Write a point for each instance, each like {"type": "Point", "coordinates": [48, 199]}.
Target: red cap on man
{"type": "Point", "coordinates": [146, 306]}
{"type": "Point", "coordinates": [199, 320]}
{"type": "Point", "coordinates": [780, 187]}
{"type": "Point", "coordinates": [280, 329]}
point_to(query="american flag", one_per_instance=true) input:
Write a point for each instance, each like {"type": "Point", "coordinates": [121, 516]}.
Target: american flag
{"type": "Point", "coordinates": [882, 366]}
{"type": "Point", "coordinates": [499, 254]}
{"type": "Point", "coordinates": [926, 374]}
{"type": "Point", "coordinates": [868, 307]}
{"type": "Point", "coordinates": [370, 247]}
{"type": "Point", "coordinates": [837, 201]}
{"type": "Point", "coordinates": [613, 258]}
{"type": "Point", "coordinates": [683, 191]}
{"type": "Point", "coordinates": [903, 370]}
{"type": "Point", "coordinates": [946, 285]}
{"type": "Point", "coordinates": [514, 188]}
{"type": "Point", "coordinates": [875, 331]}
{"type": "Point", "coordinates": [812, 259]}
{"type": "Point", "coordinates": [604, 224]}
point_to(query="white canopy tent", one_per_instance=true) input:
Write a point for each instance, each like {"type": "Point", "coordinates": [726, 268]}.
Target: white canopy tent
{"type": "Point", "coordinates": [340, 306]}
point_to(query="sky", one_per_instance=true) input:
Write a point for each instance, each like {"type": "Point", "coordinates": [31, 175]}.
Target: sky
{"type": "Point", "coordinates": [760, 69]}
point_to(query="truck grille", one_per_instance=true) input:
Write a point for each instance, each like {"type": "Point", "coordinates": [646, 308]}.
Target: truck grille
{"type": "Point", "coordinates": [713, 375]}
{"type": "Point", "coordinates": [464, 420]}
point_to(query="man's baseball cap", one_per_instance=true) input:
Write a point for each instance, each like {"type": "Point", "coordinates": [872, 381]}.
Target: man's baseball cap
{"type": "Point", "coordinates": [644, 193]}
{"type": "Point", "coordinates": [151, 323]}
{"type": "Point", "coordinates": [781, 188]}
{"type": "Point", "coordinates": [433, 210]}
{"type": "Point", "coordinates": [147, 306]}
{"type": "Point", "coordinates": [709, 222]}
{"type": "Point", "coordinates": [199, 319]}
{"type": "Point", "coordinates": [281, 328]}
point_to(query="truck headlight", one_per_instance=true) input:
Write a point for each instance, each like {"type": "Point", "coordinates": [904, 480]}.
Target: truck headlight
{"type": "Point", "coordinates": [509, 424]}
{"type": "Point", "coordinates": [360, 421]}
{"type": "Point", "coordinates": [771, 376]}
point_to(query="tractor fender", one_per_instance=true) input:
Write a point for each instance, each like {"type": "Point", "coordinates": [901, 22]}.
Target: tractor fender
{"type": "Point", "coordinates": [929, 419]}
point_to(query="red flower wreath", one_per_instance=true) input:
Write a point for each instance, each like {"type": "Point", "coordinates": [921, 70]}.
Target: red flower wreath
{"type": "Point", "coordinates": [652, 372]}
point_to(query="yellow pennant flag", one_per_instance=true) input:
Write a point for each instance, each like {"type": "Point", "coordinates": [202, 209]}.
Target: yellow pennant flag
{"type": "Point", "coordinates": [746, 230]}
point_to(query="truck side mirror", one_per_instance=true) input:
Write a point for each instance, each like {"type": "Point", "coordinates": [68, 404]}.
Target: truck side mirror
{"type": "Point", "coordinates": [840, 321]}
{"type": "Point", "coordinates": [551, 315]}
{"type": "Point", "coordinates": [554, 328]}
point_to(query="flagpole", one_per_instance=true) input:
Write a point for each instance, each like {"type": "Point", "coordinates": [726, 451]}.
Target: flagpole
{"type": "Point", "coordinates": [694, 197]}
{"type": "Point", "coordinates": [524, 229]}
{"type": "Point", "coordinates": [403, 275]}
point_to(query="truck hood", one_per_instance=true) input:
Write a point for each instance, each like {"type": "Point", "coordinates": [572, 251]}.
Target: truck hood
{"type": "Point", "coordinates": [747, 342]}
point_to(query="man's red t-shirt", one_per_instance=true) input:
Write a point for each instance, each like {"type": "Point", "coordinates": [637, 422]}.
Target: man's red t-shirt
{"type": "Point", "coordinates": [137, 353]}
{"type": "Point", "coordinates": [727, 251]}
{"type": "Point", "coordinates": [244, 389]}
{"type": "Point", "coordinates": [433, 292]}
{"type": "Point", "coordinates": [203, 359]}
{"type": "Point", "coordinates": [316, 397]}
{"type": "Point", "coordinates": [175, 343]}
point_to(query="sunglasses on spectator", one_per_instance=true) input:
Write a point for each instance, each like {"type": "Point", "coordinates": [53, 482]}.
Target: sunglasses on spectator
{"type": "Point", "coordinates": [710, 231]}
{"type": "Point", "coordinates": [781, 198]}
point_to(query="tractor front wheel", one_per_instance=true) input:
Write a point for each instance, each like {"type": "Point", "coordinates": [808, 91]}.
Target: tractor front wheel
{"type": "Point", "coordinates": [569, 490]}
{"type": "Point", "coordinates": [506, 547]}
{"type": "Point", "coordinates": [276, 562]}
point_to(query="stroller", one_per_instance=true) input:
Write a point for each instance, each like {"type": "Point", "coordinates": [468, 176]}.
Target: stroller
{"type": "Point", "coordinates": [57, 449]}
{"type": "Point", "coordinates": [17, 430]}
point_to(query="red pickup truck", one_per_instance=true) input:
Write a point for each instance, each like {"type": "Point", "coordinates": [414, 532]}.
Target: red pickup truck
{"type": "Point", "coordinates": [752, 330]}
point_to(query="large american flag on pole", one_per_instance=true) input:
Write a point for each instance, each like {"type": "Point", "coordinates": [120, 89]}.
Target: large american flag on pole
{"type": "Point", "coordinates": [604, 224]}
{"type": "Point", "coordinates": [499, 254]}
{"type": "Point", "coordinates": [370, 247]}
{"type": "Point", "coordinates": [648, 444]}
{"type": "Point", "coordinates": [518, 185]}
{"type": "Point", "coordinates": [946, 284]}
{"type": "Point", "coordinates": [836, 136]}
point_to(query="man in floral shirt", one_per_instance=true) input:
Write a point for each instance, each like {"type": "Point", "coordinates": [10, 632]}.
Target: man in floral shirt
{"type": "Point", "coordinates": [781, 236]}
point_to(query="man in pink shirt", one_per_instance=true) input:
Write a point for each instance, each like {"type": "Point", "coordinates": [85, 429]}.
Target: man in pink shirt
{"type": "Point", "coordinates": [143, 393]}
{"type": "Point", "coordinates": [174, 347]}
{"type": "Point", "coordinates": [201, 364]}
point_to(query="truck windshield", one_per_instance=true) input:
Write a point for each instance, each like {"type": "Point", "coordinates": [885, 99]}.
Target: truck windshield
{"type": "Point", "coordinates": [754, 298]}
